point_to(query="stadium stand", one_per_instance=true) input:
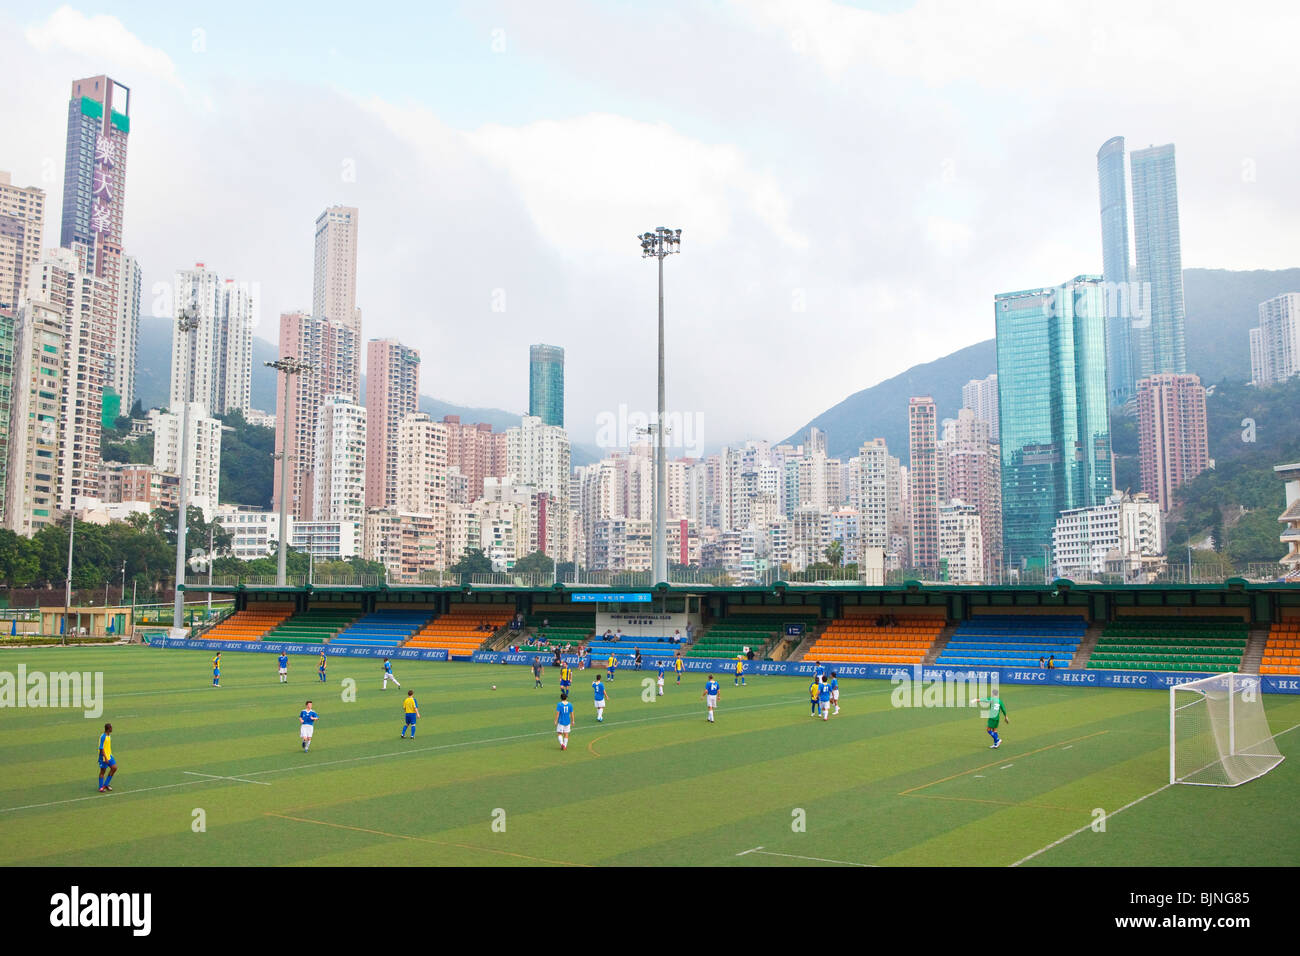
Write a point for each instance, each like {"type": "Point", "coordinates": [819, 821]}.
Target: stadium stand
{"type": "Point", "coordinates": [1014, 640]}
{"type": "Point", "coordinates": [1171, 644]}
{"type": "Point", "coordinates": [877, 637]}
{"type": "Point", "coordinates": [729, 636]}
{"type": "Point", "coordinates": [314, 626]}
{"type": "Point", "coordinates": [460, 631]}
{"type": "Point", "coordinates": [559, 625]}
{"type": "Point", "coordinates": [1282, 650]}
{"type": "Point", "coordinates": [251, 623]}
{"type": "Point", "coordinates": [386, 627]}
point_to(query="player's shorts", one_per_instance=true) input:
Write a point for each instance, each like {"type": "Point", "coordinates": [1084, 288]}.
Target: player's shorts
{"type": "Point", "coordinates": [110, 762]}
{"type": "Point", "coordinates": [284, 670]}
{"type": "Point", "coordinates": [216, 673]}
{"type": "Point", "coordinates": [712, 700]}
{"type": "Point", "coordinates": [306, 731]}
{"type": "Point", "coordinates": [993, 723]}
{"type": "Point", "coordinates": [410, 718]}
{"type": "Point", "coordinates": [563, 728]}
{"type": "Point", "coordinates": [600, 705]}
{"type": "Point", "coordinates": [825, 704]}
{"type": "Point", "coordinates": [835, 696]}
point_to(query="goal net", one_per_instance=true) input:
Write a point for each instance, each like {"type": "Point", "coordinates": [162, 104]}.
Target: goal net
{"type": "Point", "coordinates": [1218, 732]}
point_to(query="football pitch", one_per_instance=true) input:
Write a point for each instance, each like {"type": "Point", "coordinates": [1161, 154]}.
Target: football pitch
{"type": "Point", "coordinates": [213, 777]}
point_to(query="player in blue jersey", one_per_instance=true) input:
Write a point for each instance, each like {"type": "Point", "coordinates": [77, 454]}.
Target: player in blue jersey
{"type": "Point", "coordinates": [711, 696]}
{"type": "Point", "coordinates": [835, 693]}
{"type": "Point", "coordinates": [598, 687]}
{"type": "Point", "coordinates": [824, 698]}
{"type": "Point", "coordinates": [563, 720]}
{"type": "Point", "coordinates": [660, 679]}
{"type": "Point", "coordinates": [284, 668]}
{"type": "Point", "coordinates": [107, 763]}
{"type": "Point", "coordinates": [411, 707]}
{"type": "Point", "coordinates": [320, 668]}
{"type": "Point", "coordinates": [216, 670]}
{"type": "Point", "coordinates": [307, 718]}
{"type": "Point", "coordinates": [819, 671]}
{"type": "Point", "coordinates": [388, 674]}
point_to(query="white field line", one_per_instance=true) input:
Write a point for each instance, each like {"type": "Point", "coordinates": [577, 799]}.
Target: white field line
{"type": "Point", "coordinates": [1088, 826]}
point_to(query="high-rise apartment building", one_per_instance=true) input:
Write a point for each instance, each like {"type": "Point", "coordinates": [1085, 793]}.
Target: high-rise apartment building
{"type": "Point", "coordinates": [202, 466]}
{"type": "Point", "coordinates": [1159, 337]}
{"type": "Point", "coordinates": [32, 481]}
{"type": "Point", "coordinates": [477, 451]}
{"type": "Point", "coordinates": [60, 279]}
{"type": "Point", "coordinates": [1115, 269]}
{"type": "Point", "coordinates": [339, 481]}
{"type": "Point", "coordinates": [1275, 343]}
{"type": "Point", "coordinates": [1123, 534]}
{"type": "Point", "coordinates": [94, 194]}
{"type": "Point", "coordinates": [924, 478]}
{"type": "Point", "coordinates": [537, 454]}
{"type": "Point", "coordinates": [980, 395]}
{"type": "Point", "coordinates": [969, 458]}
{"type": "Point", "coordinates": [22, 228]}
{"type": "Point", "coordinates": [961, 546]}
{"type": "Point", "coordinates": [213, 364]}
{"type": "Point", "coordinates": [334, 287]}
{"type": "Point", "coordinates": [7, 331]}
{"type": "Point", "coordinates": [329, 347]}
{"type": "Point", "coordinates": [392, 393]}
{"type": "Point", "coordinates": [422, 479]}
{"type": "Point", "coordinates": [1055, 429]}
{"type": "Point", "coordinates": [546, 384]}
{"type": "Point", "coordinates": [1173, 438]}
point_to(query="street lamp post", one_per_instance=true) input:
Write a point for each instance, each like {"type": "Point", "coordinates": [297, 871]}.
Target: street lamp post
{"type": "Point", "coordinates": [67, 594]}
{"type": "Point", "coordinates": [658, 244]}
{"type": "Point", "coordinates": [289, 366]}
{"type": "Point", "coordinates": [212, 534]}
{"type": "Point", "coordinates": [187, 322]}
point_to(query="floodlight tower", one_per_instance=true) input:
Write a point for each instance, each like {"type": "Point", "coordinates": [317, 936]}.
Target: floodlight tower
{"type": "Point", "coordinates": [658, 244]}
{"type": "Point", "coordinates": [290, 367]}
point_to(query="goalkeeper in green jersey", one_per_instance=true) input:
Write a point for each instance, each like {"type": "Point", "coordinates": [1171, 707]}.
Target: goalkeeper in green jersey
{"type": "Point", "coordinates": [996, 711]}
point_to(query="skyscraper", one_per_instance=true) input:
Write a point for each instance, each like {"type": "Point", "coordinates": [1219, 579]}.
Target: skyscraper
{"type": "Point", "coordinates": [980, 395]}
{"type": "Point", "coordinates": [22, 226]}
{"type": "Point", "coordinates": [537, 454]}
{"type": "Point", "coordinates": [924, 480]}
{"type": "Point", "coordinates": [1275, 343]}
{"type": "Point", "coordinates": [392, 393]}
{"type": "Point", "coordinates": [126, 336]}
{"type": "Point", "coordinates": [1173, 441]}
{"type": "Point", "coordinates": [1055, 430]}
{"type": "Point", "coordinates": [340, 475]}
{"type": "Point", "coordinates": [1115, 268]}
{"type": "Point", "coordinates": [31, 500]}
{"type": "Point", "coordinates": [94, 190]}
{"type": "Point", "coordinates": [546, 384]}
{"type": "Point", "coordinates": [213, 365]}
{"type": "Point", "coordinates": [1159, 336]}
{"type": "Point", "coordinates": [334, 283]}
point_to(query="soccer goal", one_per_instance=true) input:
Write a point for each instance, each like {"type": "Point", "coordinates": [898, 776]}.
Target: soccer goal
{"type": "Point", "coordinates": [1218, 732]}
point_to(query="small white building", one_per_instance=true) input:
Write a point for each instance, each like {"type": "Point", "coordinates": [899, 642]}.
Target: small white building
{"type": "Point", "coordinates": [961, 542]}
{"type": "Point", "coordinates": [202, 456]}
{"type": "Point", "coordinates": [1126, 529]}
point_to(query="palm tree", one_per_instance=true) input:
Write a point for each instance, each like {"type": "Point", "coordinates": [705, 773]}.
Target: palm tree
{"type": "Point", "coordinates": [835, 553]}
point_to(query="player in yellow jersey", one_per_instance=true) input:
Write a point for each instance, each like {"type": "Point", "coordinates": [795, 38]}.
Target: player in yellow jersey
{"type": "Point", "coordinates": [679, 665]}
{"type": "Point", "coordinates": [106, 761]}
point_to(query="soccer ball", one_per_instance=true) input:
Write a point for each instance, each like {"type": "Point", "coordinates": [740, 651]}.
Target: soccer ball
{"type": "Point", "coordinates": [494, 686]}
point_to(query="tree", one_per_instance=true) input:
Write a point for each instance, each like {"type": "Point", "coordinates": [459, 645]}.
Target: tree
{"type": "Point", "coordinates": [247, 466]}
{"type": "Point", "coordinates": [537, 562]}
{"type": "Point", "coordinates": [835, 553]}
{"type": "Point", "coordinates": [473, 561]}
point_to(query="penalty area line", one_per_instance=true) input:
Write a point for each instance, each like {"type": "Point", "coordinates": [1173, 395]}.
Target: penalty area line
{"type": "Point", "coordinates": [215, 776]}
{"type": "Point", "coordinates": [1088, 826]}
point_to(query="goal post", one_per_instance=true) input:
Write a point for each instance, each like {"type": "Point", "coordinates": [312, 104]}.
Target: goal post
{"type": "Point", "coordinates": [1218, 732]}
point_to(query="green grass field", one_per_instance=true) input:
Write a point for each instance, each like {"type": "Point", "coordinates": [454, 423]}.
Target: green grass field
{"type": "Point", "coordinates": [654, 785]}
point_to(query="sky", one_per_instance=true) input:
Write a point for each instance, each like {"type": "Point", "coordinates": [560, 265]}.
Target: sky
{"type": "Point", "coordinates": [854, 182]}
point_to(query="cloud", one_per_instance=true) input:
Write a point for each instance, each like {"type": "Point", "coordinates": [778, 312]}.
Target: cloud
{"type": "Point", "coordinates": [104, 38]}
